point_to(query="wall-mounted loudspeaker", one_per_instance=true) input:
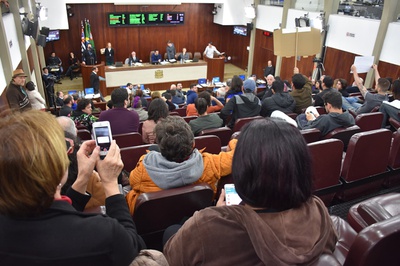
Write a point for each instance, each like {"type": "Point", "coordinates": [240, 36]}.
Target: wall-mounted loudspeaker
{"type": "Point", "coordinates": [45, 31]}
{"type": "Point", "coordinates": [41, 40]}
{"type": "Point", "coordinates": [249, 27]}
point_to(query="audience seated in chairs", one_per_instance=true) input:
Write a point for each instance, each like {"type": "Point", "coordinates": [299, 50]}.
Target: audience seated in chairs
{"type": "Point", "coordinates": [205, 120]}
{"type": "Point", "coordinates": [191, 108]}
{"type": "Point", "coordinates": [326, 123]}
{"type": "Point", "coordinates": [83, 114]}
{"type": "Point", "coordinates": [277, 224]}
{"type": "Point", "coordinates": [122, 120]}
{"type": "Point", "coordinates": [31, 179]}
{"type": "Point", "coordinates": [245, 105]}
{"type": "Point", "coordinates": [178, 163]}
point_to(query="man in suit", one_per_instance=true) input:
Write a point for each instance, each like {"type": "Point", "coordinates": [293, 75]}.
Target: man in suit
{"type": "Point", "coordinates": [109, 53]}
{"type": "Point", "coordinates": [133, 59]}
{"type": "Point", "coordinates": [170, 51]}
{"type": "Point", "coordinates": [156, 57]}
{"type": "Point", "coordinates": [269, 70]}
{"type": "Point", "coordinates": [89, 56]}
{"type": "Point", "coordinates": [95, 82]}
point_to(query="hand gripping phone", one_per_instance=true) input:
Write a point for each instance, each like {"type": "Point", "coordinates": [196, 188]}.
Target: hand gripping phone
{"type": "Point", "coordinates": [103, 137]}
{"type": "Point", "coordinates": [231, 196]}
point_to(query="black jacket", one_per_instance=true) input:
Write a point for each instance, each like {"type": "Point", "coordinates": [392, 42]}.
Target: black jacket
{"type": "Point", "coordinates": [64, 236]}
{"type": "Point", "coordinates": [245, 105]}
{"type": "Point", "coordinates": [279, 101]}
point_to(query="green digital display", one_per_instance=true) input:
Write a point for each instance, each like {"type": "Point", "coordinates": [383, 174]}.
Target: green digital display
{"type": "Point", "coordinates": [145, 19]}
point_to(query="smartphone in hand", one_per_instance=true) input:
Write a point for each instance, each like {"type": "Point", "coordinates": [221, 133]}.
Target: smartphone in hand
{"type": "Point", "coordinates": [103, 137]}
{"type": "Point", "coordinates": [231, 196]}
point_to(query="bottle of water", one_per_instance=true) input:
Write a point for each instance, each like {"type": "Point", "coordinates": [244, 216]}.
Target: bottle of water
{"type": "Point", "coordinates": [181, 60]}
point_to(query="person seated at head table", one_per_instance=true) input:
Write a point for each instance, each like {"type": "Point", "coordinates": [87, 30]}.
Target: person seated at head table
{"type": "Point", "coordinates": [156, 57]}
{"type": "Point", "coordinates": [178, 163]}
{"type": "Point", "coordinates": [41, 227]}
{"type": "Point", "coordinates": [279, 221]}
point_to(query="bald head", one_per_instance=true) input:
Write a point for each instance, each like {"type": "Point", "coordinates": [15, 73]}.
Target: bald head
{"type": "Point", "coordinates": [67, 125]}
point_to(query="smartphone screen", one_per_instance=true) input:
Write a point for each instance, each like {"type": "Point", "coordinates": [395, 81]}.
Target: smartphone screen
{"type": "Point", "coordinates": [231, 196]}
{"type": "Point", "coordinates": [102, 134]}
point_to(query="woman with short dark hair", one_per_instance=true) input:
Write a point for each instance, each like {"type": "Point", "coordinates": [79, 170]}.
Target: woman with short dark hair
{"type": "Point", "coordinates": [83, 114]}
{"type": "Point", "coordinates": [278, 222]}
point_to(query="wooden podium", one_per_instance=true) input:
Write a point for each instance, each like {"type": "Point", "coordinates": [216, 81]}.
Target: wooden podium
{"type": "Point", "coordinates": [87, 70]}
{"type": "Point", "coordinates": [215, 67]}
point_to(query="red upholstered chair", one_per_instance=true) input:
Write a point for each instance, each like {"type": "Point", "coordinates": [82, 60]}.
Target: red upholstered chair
{"type": "Point", "coordinates": [156, 211]}
{"type": "Point", "coordinates": [327, 161]}
{"type": "Point", "coordinates": [377, 244]}
{"type": "Point", "coordinates": [311, 135]}
{"type": "Point", "coordinates": [224, 134]}
{"type": "Point", "coordinates": [369, 121]}
{"type": "Point", "coordinates": [365, 163]}
{"type": "Point", "coordinates": [394, 123]}
{"type": "Point", "coordinates": [189, 118]}
{"type": "Point", "coordinates": [140, 127]}
{"type": "Point", "coordinates": [101, 105]}
{"type": "Point", "coordinates": [292, 115]}
{"type": "Point", "coordinates": [128, 139]}
{"type": "Point", "coordinates": [239, 123]}
{"type": "Point", "coordinates": [394, 161]}
{"type": "Point", "coordinates": [174, 113]}
{"type": "Point", "coordinates": [211, 143]}
{"type": "Point", "coordinates": [343, 133]}
{"type": "Point", "coordinates": [131, 155]}
{"type": "Point", "coordinates": [374, 210]}
{"type": "Point", "coordinates": [84, 134]}
{"type": "Point", "coordinates": [181, 111]}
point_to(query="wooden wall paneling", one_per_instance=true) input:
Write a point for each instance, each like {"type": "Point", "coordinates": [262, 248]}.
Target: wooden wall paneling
{"type": "Point", "coordinates": [263, 51]}
{"type": "Point", "coordinates": [305, 66]}
{"type": "Point", "coordinates": [388, 70]}
{"type": "Point", "coordinates": [235, 46]}
{"type": "Point", "coordinates": [338, 63]}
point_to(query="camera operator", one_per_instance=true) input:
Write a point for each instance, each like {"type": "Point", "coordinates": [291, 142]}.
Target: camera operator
{"type": "Point", "coordinates": [49, 80]}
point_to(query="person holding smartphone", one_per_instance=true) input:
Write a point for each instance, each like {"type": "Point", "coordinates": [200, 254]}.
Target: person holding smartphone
{"type": "Point", "coordinates": [41, 227]}
{"type": "Point", "coordinates": [278, 222]}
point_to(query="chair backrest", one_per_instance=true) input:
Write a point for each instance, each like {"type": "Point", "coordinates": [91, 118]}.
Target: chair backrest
{"type": "Point", "coordinates": [128, 139]}
{"type": "Point", "coordinates": [211, 143]}
{"type": "Point", "coordinates": [174, 113]}
{"type": "Point", "coordinates": [394, 155]}
{"type": "Point", "coordinates": [343, 133]}
{"type": "Point", "coordinates": [189, 118]}
{"type": "Point", "coordinates": [374, 210]}
{"type": "Point", "coordinates": [377, 244]}
{"type": "Point", "coordinates": [369, 121]}
{"type": "Point", "coordinates": [131, 155]}
{"type": "Point", "coordinates": [126, 61]}
{"type": "Point", "coordinates": [84, 134]}
{"type": "Point", "coordinates": [155, 211]}
{"type": "Point", "coordinates": [239, 123]}
{"type": "Point", "coordinates": [367, 154]}
{"type": "Point", "coordinates": [101, 105]}
{"type": "Point", "coordinates": [311, 134]}
{"type": "Point", "coordinates": [326, 165]}
{"type": "Point", "coordinates": [151, 53]}
{"type": "Point", "coordinates": [190, 55]}
{"type": "Point", "coordinates": [197, 55]}
{"type": "Point", "coordinates": [181, 111]}
{"type": "Point", "coordinates": [224, 134]}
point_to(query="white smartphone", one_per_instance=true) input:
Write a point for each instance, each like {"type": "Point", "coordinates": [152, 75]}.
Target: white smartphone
{"type": "Point", "coordinates": [231, 196]}
{"type": "Point", "coordinates": [102, 135]}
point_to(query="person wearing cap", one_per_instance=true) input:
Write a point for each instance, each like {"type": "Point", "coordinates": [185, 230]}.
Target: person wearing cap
{"type": "Point", "coordinates": [121, 119]}
{"type": "Point", "coordinates": [16, 95]}
{"type": "Point", "coordinates": [210, 50]}
{"type": "Point", "coordinates": [244, 105]}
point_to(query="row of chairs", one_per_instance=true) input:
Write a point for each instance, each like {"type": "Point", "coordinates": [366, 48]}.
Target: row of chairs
{"type": "Point", "coordinates": [371, 236]}
{"type": "Point", "coordinates": [372, 159]}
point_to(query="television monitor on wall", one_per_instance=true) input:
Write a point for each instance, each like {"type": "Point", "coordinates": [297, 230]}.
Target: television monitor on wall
{"type": "Point", "coordinates": [240, 30]}
{"type": "Point", "coordinates": [54, 35]}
